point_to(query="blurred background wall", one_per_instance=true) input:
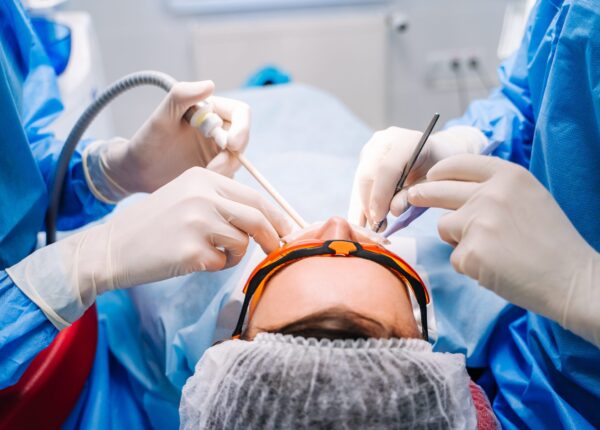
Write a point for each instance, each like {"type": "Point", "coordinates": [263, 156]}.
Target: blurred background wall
{"type": "Point", "coordinates": [391, 62]}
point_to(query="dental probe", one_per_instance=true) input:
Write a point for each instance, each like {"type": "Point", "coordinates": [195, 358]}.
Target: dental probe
{"type": "Point", "coordinates": [414, 212]}
{"type": "Point", "coordinates": [412, 161]}
{"type": "Point", "coordinates": [202, 118]}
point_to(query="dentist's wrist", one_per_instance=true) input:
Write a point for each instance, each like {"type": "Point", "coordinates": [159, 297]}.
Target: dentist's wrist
{"type": "Point", "coordinates": [579, 312]}
{"type": "Point", "coordinates": [107, 166]}
{"type": "Point", "coordinates": [62, 278]}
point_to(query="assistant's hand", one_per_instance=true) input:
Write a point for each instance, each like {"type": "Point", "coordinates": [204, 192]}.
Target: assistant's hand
{"type": "Point", "coordinates": [512, 237]}
{"type": "Point", "coordinates": [166, 145]}
{"type": "Point", "coordinates": [201, 221]}
{"type": "Point", "coordinates": [383, 159]}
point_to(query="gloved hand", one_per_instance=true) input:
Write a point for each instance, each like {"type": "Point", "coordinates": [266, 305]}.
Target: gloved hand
{"type": "Point", "coordinates": [166, 146]}
{"type": "Point", "coordinates": [512, 237]}
{"type": "Point", "coordinates": [382, 161]}
{"type": "Point", "coordinates": [198, 222]}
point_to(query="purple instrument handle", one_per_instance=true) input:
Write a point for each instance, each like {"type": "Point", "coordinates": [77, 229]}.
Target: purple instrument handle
{"type": "Point", "coordinates": [411, 214]}
{"type": "Point", "coordinates": [414, 212]}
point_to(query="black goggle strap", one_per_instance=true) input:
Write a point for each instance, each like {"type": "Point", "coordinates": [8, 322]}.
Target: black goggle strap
{"type": "Point", "coordinates": [262, 273]}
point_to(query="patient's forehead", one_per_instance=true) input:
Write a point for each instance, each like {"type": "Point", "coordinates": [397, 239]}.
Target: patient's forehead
{"type": "Point", "coordinates": [319, 283]}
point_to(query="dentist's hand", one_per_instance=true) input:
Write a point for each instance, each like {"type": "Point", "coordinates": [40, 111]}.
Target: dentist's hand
{"type": "Point", "coordinates": [512, 237]}
{"type": "Point", "coordinates": [201, 221]}
{"type": "Point", "coordinates": [166, 145]}
{"type": "Point", "coordinates": [383, 159]}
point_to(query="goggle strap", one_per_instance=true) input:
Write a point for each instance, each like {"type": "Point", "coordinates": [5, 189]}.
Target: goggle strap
{"type": "Point", "coordinates": [424, 328]}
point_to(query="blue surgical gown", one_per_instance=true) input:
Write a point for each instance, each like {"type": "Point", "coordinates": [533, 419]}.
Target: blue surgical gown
{"type": "Point", "coordinates": [29, 100]}
{"type": "Point", "coordinates": [546, 113]}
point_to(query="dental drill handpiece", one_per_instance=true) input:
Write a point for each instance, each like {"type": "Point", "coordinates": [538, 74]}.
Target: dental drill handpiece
{"type": "Point", "coordinates": [202, 117]}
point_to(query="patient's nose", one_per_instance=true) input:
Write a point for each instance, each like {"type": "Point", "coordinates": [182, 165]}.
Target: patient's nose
{"type": "Point", "coordinates": [335, 228]}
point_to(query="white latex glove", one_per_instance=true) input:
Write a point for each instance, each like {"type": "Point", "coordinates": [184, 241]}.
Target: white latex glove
{"type": "Point", "coordinates": [198, 222]}
{"type": "Point", "coordinates": [382, 161]}
{"type": "Point", "coordinates": [512, 237]}
{"type": "Point", "coordinates": [166, 146]}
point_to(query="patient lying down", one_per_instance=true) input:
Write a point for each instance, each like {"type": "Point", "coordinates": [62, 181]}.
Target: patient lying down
{"type": "Point", "coordinates": [327, 339]}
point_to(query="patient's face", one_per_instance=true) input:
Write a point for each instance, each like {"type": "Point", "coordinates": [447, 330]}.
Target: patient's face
{"type": "Point", "coordinates": [319, 284]}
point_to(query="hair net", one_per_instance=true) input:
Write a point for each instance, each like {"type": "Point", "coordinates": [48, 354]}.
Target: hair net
{"type": "Point", "coordinates": [279, 381]}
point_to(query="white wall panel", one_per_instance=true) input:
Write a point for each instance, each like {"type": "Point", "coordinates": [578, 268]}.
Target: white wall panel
{"type": "Point", "coordinates": [343, 53]}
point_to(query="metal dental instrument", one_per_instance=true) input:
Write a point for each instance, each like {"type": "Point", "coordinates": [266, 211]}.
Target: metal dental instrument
{"type": "Point", "coordinates": [202, 117]}
{"type": "Point", "coordinates": [411, 162]}
{"type": "Point", "coordinates": [414, 212]}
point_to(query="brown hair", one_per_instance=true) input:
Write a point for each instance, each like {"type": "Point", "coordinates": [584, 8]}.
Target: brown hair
{"type": "Point", "coordinates": [335, 323]}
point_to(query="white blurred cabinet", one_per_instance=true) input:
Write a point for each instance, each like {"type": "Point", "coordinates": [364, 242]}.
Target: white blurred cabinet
{"type": "Point", "coordinates": [341, 51]}
{"type": "Point", "coordinates": [381, 60]}
{"type": "Point", "coordinates": [236, 6]}
{"type": "Point", "coordinates": [376, 56]}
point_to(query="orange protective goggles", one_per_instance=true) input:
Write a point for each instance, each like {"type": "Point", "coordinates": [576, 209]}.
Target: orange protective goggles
{"type": "Point", "coordinates": [291, 253]}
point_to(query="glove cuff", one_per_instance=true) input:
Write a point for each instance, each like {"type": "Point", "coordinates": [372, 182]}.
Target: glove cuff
{"type": "Point", "coordinates": [58, 279]}
{"type": "Point", "coordinates": [95, 167]}
{"type": "Point", "coordinates": [580, 312]}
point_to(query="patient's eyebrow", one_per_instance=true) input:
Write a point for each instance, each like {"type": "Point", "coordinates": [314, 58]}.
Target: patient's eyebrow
{"type": "Point", "coordinates": [333, 323]}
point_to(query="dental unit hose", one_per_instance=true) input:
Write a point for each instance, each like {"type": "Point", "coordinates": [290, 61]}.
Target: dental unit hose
{"type": "Point", "coordinates": [200, 117]}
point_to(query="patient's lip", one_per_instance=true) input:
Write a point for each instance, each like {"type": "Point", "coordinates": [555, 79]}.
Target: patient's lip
{"type": "Point", "coordinates": [359, 234]}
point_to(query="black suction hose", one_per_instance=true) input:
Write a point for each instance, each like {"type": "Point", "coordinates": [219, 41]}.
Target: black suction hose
{"type": "Point", "coordinates": [124, 84]}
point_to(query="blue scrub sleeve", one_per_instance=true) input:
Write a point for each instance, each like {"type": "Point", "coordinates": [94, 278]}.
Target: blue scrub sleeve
{"type": "Point", "coordinates": [507, 115]}
{"type": "Point", "coordinates": [24, 331]}
{"type": "Point", "coordinates": [36, 95]}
